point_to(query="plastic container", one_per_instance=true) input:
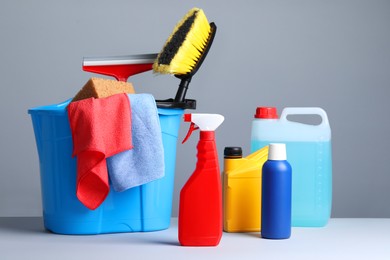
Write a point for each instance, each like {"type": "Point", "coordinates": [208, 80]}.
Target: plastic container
{"type": "Point", "coordinates": [309, 153]}
{"type": "Point", "coordinates": [276, 194]}
{"type": "Point", "coordinates": [144, 208]}
{"type": "Point", "coordinates": [200, 207]}
{"type": "Point", "coordinates": [242, 189]}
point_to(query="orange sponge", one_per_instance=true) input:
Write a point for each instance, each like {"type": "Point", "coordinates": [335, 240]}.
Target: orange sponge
{"type": "Point", "coordinates": [100, 88]}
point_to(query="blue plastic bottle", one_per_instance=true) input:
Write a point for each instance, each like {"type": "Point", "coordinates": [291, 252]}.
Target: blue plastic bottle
{"type": "Point", "coordinates": [276, 194]}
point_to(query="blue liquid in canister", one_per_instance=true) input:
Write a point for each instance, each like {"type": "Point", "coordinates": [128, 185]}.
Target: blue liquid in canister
{"type": "Point", "coordinates": [311, 181]}
{"type": "Point", "coordinates": [308, 149]}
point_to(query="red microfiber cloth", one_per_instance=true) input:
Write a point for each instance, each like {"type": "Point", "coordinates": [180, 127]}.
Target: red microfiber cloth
{"type": "Point", "coordinates": [100, 128]}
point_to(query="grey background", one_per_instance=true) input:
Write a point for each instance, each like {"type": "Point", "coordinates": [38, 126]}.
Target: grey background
{"type": "Point", "coordinates": [334, 54]}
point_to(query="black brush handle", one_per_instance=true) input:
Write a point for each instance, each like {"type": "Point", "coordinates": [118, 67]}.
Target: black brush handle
{"type": "Point", "coordinates": [182, 90]}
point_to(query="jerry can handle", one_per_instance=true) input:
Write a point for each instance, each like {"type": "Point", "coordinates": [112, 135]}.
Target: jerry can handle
{"type": "Point", "coordinates": [305, 111]}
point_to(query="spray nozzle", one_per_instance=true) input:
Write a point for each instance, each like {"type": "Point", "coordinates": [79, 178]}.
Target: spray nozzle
{"type": "Point", "coordinates": [204, 122]}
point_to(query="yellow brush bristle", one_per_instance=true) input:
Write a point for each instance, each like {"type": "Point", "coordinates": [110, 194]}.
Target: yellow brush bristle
{"type": "Point", "coordinates": [189, 49]}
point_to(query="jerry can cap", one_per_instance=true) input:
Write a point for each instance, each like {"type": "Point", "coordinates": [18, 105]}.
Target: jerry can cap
{"type": "Point", "coordinates": [266, 113]}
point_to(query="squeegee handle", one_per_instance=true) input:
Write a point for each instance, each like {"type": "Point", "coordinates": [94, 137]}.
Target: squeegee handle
{"type": "Point", "coordinates": [121, 72]}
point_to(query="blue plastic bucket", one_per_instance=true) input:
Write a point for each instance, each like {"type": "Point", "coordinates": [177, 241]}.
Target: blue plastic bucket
{"type": "Point", "coordinates": [144, 208]}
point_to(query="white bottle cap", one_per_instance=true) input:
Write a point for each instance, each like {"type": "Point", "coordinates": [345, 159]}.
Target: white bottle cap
{"type": "Point", "coordinates": [277, 152]}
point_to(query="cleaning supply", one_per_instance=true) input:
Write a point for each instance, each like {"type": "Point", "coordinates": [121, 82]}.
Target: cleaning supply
{"type": "Point", "coordinates": [185, 51]}
{"type": "Point", "coordinates": [101, 88]}
{"type": "Point", "coordinates": [100, 128]}
{"type": "Point", "coordinates": [140, 209]}
{"type": "Point", "coordinates": [145, 162]}
{"type": "Point", "coordinates": [242, 189]}
{"type": "Point", "coordinates": [200, 207]}
{"type": "Point", "coordinates": [120, 67]}
{"type": "Point", "coordinates": [276, 194]}
{"type": "Point", "coordinates": [309, 152]}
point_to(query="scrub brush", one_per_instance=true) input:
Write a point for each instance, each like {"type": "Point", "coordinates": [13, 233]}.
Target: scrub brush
{"type": "Point", "coordinates": [184, 52]}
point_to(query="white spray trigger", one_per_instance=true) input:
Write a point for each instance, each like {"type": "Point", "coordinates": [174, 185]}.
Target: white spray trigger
{"type": "Point", "coordinates": [204, 122]}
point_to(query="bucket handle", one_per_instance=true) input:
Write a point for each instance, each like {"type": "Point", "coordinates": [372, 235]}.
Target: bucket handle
{"type": "Point", "coordinates": [305, 111]}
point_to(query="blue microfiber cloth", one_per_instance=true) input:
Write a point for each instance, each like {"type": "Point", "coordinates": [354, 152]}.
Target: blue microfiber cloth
{"type": "Point", "coordinates": [145, 162]}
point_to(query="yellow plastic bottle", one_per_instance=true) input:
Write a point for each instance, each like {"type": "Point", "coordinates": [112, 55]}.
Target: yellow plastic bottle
{"type": "Point", "coordinates": [242, 190]}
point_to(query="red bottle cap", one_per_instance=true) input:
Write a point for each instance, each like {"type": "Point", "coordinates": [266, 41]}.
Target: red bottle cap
{"type": "Point", "coordinates": [187, 118]}
{"type": "Point", "coordinates": [266, 113]}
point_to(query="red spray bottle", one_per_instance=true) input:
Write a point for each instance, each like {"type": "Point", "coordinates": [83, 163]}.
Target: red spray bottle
{"type": "Point", "coordinates": [200, 208]}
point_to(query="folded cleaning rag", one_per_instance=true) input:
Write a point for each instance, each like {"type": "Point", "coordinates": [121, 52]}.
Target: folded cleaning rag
{"type": "Point", "coordinates": [145, 162]}
{"type": "Point", "coordinates": [100, 128]}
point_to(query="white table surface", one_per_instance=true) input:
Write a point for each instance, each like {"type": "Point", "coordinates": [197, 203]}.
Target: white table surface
{"type": "Point", "coordinates": [25, 238]}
